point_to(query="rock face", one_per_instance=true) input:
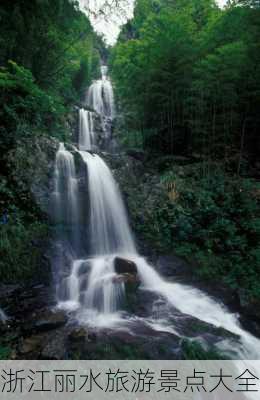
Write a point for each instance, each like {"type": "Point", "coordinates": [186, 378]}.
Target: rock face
{"type": "Point", "coordinates": [49, 320]}
{"type": "Point", "coordinates": [78, 335]}
{"type": "Point", "coordinates": [31, 346]}
{"type": "Point", "coordinates": [99, 126]}
{"type": "Point", "coordinates": [123, 266]}
{"type": "Point", "coordinates": [128, 274]}
{"type": "Point", "coordinates": [143, 193]}
{"type": "Point", "coordinates": [55, 346]}
{"type": "Point", "coordinates": [32, 165]}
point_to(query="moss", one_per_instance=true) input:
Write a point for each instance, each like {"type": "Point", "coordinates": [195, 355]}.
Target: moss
{"type": "Point", "coordinates": [5, 353]}
{"type": "Point", "coordinates": [192, 350]}
{"type": "Point", "coordinates": [22, 246]}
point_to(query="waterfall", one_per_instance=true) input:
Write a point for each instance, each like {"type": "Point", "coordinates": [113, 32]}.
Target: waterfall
{"type": "Point", "coordinates": [109, 234]}
{"type": "Point", "coordinates": [194, 302]}
{"type": "Point", "coordinates": [109, 229]}
{"type": "Point", "coordinates": [94, 291]}
{"type": "Point", "coordinates": [104, 293]}
{"type": "Point", "coordinates": [86, 129]}
{"type": "Point", "coordinates": [100, 96]}
{"type": "Point", "coordinates": [66, 195]}
{"type": "Point", "coordinates": [66, 189]}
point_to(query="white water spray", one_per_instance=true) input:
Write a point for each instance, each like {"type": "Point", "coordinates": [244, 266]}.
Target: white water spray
{"type": "Point", "coordinates": [109, 229]}
{"type": "Point", "coordinates": [86, 129]}
{"type": "Point", "coordinates": [66, 187]}
{"type": "Point", "coordinates": [194, 302]}
{"type": "Point", "coordinates": [109, 234]}
{"type": "Point", "coordinates": [101, 96]}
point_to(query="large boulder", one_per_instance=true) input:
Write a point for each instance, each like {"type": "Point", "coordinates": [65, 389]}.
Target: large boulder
{"type": "Point", "coordinates": [49, 320]}
{"type": "Point", "coordinates": [124, 266]}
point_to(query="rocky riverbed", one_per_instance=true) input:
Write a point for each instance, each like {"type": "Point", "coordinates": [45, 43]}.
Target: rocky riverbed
{"type": "Point", "coordinates": [36, 329]}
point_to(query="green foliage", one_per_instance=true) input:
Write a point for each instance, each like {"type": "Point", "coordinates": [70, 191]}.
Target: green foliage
{"type": "Point", "coordinates": [217, 224]}
{"type": "Point", "coordinates": [23, 235]}
{"type": "Point", "coordinates": [192, 350]}
{"type": "Point", "coordinates": [26, 107]}
{"type": "Point", "coordinates": [212, 221]}
{"type": "Point", "coordinates": [48, 37]}
{"type": "Point", "coordinates": [21, 251]}
{"type": "Point", "coordinates": [5, 352]}
{"type": "Point", "coordinates": [187, 77]}
{"type": "Point", "coordinates": [189, 73]}
{"type": "Point", "coordinates": [113, 351]}
{"type": "Point", "coordinates": [47, 57]}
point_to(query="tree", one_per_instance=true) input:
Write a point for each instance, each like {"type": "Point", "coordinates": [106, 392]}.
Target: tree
{"type": "Point", "coordinates": [187, 75]}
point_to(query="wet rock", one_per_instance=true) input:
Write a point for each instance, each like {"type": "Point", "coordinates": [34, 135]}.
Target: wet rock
{"type": "Point", "coordinates": [8, 290]}
{"type": "Point", "coordinates": [250, 315]}
{"type": "Point", "coordinates": [81, 342]}
{"type": "Point", "coordinates": [126, 278]}
{"type": "Point", "coordinates": [171, 265]}
{"type": "Point", "coordinates": [55, 347]}
{"type": "Point", "coordinates": [49, 321]}
{"type": "Point", "coordinates": [78, 335]}
{"type": "Point", "coordinates": [123, 266]}
{"type": "Point", "coordinates": [31, 347]}
{"type": "Point", "coordinates": [131, 283]}
{"type": "Point", "coordinates": [136, 154]}
{"type": "Point", "coordinates": [62, 258]}
{"type": "Point", "coordinates": [84, 268]}
{"type": "Point", "coordinates": [144, 303]}
{"type": "Point", "coordinates": [27, 301]}
{"type": "Point", "coordinates": [115, 345]}
{"type": "Point", "coordinates": [251, 324]}
{"type": "Point", "coordinates": [33, 163]}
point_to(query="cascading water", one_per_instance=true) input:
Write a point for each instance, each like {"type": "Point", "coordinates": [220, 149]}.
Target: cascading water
{"type": "Point", "coordinates": [109, 234]}
{"type": "Point", "coordinates": [66, 195]}
{"type": "Point", "coordinates": [66, 189]}
{"type": "Point", "coordinates": [93, 287]}
{"type": "Point", "coordinates": [109, 229]}
{"type": "Point", "coordinates": [100, 96]}
{"type": "Point", "coordinates": [86, 129]}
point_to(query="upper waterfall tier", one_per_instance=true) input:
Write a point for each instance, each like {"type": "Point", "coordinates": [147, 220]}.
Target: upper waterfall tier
{"type": "Point", "coordinates": [100, 96]}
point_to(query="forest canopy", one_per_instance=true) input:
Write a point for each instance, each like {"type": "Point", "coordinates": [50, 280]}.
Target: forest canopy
{"type": "Point", "coordinates": [46, 62]}
{"type": "Point", "coordinates": [188, 77]}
